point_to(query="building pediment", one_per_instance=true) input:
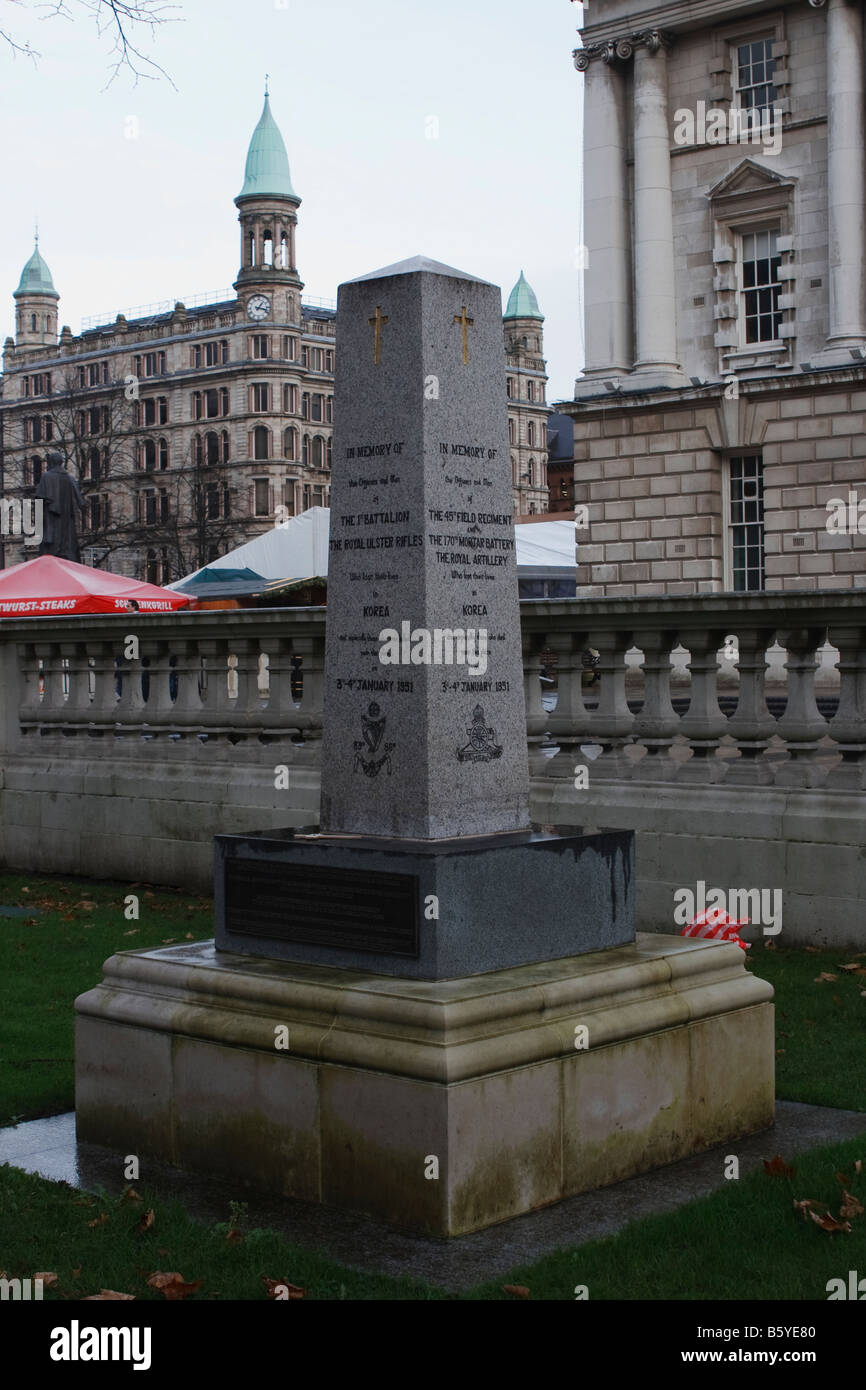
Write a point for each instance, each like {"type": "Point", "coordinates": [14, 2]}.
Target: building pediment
{"type": "Point", "coordinates": [748, 178]}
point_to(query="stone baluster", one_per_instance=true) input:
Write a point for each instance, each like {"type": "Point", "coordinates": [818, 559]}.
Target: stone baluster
{"type": "Point", "coordinates": [751, 724]}
{"type": "Point", "coordinates": [77, 682]}
{"type": "Point", "coordinates": [536, 715]}
{"type": "Point", "coordinates": [658, 723]}
{"type": "Point", "coordinates": [188, 705]}
{"type": "Point", "coordinates": [704, 723]}
{"type": "Point", "coordinates": [311, 650]}
{"type": "Point", "coordinates": [103, 706]}
{"type": "Point", "coordinates": [52, 708]}
{"type": "Point", "coordinates": [217, 708]}
{"type": "Point", "coordinates": [282, 713]}
{"type": "Point", "coordinates": [249, 705]}
{"type": "Point", "coordinates": [159, 708]}
{"type": "Point", "coordinates": [802, 726]}
{"type": "Point", "coordinates": [848, 725]}
{"type": "Point", "coordinates": [28, 664]}
{"type": "Point", "coordinates": [569, 722]}
{"type": "Point", "coordinates": [611, 722]}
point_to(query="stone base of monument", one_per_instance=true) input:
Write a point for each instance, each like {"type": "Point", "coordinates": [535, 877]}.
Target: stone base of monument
{"type": "Point", "coordinates": [438, 1106]}
{"type": "Point", "coordinates": [423, 909]}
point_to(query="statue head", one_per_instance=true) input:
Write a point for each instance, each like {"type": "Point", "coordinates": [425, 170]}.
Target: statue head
{"type": "Point", "coordinates": [55, 460]}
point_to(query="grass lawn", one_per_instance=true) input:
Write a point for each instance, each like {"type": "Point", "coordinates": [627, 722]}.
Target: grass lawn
{"type": "Point", "coordinates": [745, 1241]}
{"type": "Point", "coordinates": [47, 959]}
{"type": "Point", "coordinates": [820, 1024]}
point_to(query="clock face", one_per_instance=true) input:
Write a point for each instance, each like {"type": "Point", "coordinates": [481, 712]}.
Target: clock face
{"type": "Point", "coordinates": [258, 307]}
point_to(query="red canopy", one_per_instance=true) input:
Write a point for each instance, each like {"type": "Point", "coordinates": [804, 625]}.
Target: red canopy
{"type": "Point", "coordinates": [48, 586]}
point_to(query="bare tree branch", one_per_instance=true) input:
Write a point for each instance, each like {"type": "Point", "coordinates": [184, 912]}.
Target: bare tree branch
{"type": "Point", "coordinates": [120, 20]}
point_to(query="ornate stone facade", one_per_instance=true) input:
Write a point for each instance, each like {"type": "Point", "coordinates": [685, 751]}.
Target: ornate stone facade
{"type": "Point", "coordinates": [719, 422]}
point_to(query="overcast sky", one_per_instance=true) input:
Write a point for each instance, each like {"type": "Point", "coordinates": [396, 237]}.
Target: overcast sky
{"type": "Point", "coordinates": [357, 90]}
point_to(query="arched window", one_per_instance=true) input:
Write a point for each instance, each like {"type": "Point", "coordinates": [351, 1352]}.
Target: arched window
{"type": "Point", "coordinates": [149, 455]}
{"type": "Point", "coordinates": [512, 434]}
{"type": "Point", "coordinates": [530, 433]}
{"type": "Point", "coordinates": [224, 441]}
{"type": "Point", "coordinates": [33, 323]}
{"type": "Point", "coordinates": [261, 442]}
{"type": "Point", "coordinates": [305, 451]}
{"type": "Point", "coordinates": [163, 453]}
{"type": "Point", "coordinates": [284, 251]}
{"type": "Point", "coordinates": [318, 451]}
{"type": "Point", "coordinates": [532, 472]}
{"type": "Point", "coordinates": [267, 249]}
{"type": "Point", "coordinates": [251, 243]}
{"type": "Point", "coordinates": [290, 443]}
{"type": "Point", "coordinates": [212, 449]}
{"type": "Point", "coordinates": [330, 450]}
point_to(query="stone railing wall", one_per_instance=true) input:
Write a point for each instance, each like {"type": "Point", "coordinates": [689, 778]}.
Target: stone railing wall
{"type": "Point", "coordinates": [125, 746]}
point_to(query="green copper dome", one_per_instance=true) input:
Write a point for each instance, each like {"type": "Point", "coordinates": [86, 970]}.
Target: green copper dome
{"type": "Point", "coordinates": [267, 168]}
{"type": "Point", "coordinates": [36, 277]}
{"type": "Point", "coordinates": [522, 303]}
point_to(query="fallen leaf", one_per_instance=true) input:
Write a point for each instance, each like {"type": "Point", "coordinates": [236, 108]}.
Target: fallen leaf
{"type": "Point", "coordinates": [189, 936]}
{"type": "Point", "coordinates": [169, 940]}
{"type": "Point", "coordinates": [279, 1288]}
{"type": "Point", "coordinates": [780, 1051]}
{"type": "Point", "coordinates": [173, 1286]}
{"type": "Point", "coordinates": [806, 1203]}
{"type": "Point", "coordinates": [147, 1220]}
{"type": "Point", "coordinates": [828, 1223]}
{"type": "Point", "coordinates": [858, 1166]}
{"type": "Point", "coordinates": [106, 1295]}
{"type": "Point", "coordinates": [129, 1194]}
{"type": "Point", "coordinates": [234, 1237]}
{"type": "Point", "coordinates": [825, 978]}
{"type": "Point", "coordinates": [86, 906]}
{"type": "Point", "coordinates": [850, 1206]}
{"type": "Point", "coordinates": [842, 1178]}
{"type": "Point", "coordinates": [778, 1168]}
{"type": "Point", "coordinates": [99, 1220]}
{"type": "Point", "coordinates": [813, 950]}
{"type": "Point", "coordinates": [849, 968]}
{"type": "Point", "coordinates": [518, 1290]}
{"type": "Point", "coordinates": [48, 1280]}
{"type": "Point", "coordinates": [134, 932]}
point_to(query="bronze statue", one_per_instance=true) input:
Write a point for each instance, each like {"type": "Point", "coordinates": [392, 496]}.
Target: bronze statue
{"type": "Point", "coordinates": [60, 497]}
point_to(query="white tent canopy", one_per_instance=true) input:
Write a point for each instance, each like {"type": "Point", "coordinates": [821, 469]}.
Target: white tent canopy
{"type": "Point", "coordinates": [296, 550]}
{"type": "Point", "coordinates": [299, 549]}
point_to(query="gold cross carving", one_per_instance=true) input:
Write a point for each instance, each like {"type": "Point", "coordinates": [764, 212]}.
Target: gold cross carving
{"type": "Point", "coordinates": [378, 323]}
{"type": "Point", "coordinates": [465, 323]}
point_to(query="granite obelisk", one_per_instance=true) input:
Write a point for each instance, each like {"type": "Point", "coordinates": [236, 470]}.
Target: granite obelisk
{"type": "Point", "coordinates": [424, 708]}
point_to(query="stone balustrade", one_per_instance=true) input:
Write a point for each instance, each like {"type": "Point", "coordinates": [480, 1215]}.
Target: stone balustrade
{"type": "Point", "coordinates": [728, 731]}
{"type": "Point", "coordinates": [648, 709]}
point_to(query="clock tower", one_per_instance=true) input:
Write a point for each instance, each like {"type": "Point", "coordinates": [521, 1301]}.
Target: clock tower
{"type": "Point", "coordinates": [268, 283]}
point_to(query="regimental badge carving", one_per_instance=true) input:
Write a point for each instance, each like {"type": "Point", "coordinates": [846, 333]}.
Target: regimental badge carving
{"type": "Point", "coordinates": [371, 752]}
{"type": "Point", "coordinates": [482, 747]}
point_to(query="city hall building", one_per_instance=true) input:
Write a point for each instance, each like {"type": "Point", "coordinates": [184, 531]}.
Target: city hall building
{"type": "Point", "coordinates": [720, 422]}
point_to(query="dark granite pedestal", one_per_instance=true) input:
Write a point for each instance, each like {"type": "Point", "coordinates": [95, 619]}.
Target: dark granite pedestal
{"type": "Point", "coordinates": [424, 909]}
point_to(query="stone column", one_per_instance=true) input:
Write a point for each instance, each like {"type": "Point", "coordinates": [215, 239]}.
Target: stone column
{"type": "Point", "coordinates": [846, 173]}
{"type": "Point", "coordinates": [655, 317]}
{"type": "Point", "coordinates": [608, 309]}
